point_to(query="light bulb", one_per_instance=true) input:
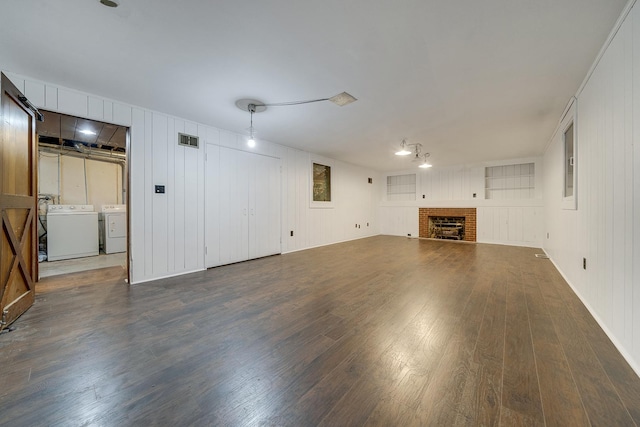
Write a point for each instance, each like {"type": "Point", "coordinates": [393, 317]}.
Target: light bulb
{"type": "Point", "coordinates": [403, 152]}
{"type": "Point", "coordinates": [425, 165]}
{"type": "Point", "coordinates": [251, 142]}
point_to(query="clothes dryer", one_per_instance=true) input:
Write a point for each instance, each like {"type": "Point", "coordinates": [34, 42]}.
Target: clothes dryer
{"type": "Point", "coordinates": [114, 228]}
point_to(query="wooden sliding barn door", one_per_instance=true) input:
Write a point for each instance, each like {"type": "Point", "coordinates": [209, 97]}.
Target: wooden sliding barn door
{"type": "Point", "coordinates": [18, 216]}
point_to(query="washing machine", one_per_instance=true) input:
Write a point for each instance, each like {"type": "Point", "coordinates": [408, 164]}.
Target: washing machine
{"type": "Point", "coordinates": [72, 232]}
{"type": "Point", "coordinates": [114, 228]}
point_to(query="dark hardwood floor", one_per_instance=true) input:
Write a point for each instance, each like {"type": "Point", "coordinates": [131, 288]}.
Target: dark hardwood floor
{"type": "Point", "coordinates": [383, 331]}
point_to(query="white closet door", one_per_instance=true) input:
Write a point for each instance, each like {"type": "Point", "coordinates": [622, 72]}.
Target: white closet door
{"type": "Point", "coordinates": [264, 206]}
{"type": "Point", "coordinates": [242, 206]}
{"type": "Point", "coordinates": [233, 203]}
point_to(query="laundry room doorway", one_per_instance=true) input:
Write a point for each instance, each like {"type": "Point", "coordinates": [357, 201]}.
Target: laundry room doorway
{"type": "Point", "coordinates": [82, 195]}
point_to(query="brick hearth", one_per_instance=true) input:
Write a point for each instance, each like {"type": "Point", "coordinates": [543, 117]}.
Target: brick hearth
{"type": "Point", "coordinates": [469, 215]}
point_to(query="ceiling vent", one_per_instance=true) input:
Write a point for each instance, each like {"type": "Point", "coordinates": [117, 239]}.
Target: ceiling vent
{"type": "Point", "coordinates": [187, 140]}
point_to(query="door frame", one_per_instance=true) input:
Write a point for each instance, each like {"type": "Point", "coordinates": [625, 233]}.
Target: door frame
{"type": "Point", "coordinates": [126, 183]}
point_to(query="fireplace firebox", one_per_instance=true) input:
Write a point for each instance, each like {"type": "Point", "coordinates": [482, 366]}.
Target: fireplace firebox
{"type": "Point", "coordinates": [446, 227]}
{"type": "Point", "coordinates": [453, 223]}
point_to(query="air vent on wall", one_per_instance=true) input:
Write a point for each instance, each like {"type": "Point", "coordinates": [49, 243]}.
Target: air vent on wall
{"type": "Point", "coordinates": [187, 140]}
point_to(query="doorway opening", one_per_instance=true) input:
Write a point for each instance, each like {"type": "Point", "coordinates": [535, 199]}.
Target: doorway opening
{"type": "Point", "coordinates": [82, 195]}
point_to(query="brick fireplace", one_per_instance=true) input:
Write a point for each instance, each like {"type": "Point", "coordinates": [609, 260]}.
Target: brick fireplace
{"type": "Point", "coordinates": [469, 215]}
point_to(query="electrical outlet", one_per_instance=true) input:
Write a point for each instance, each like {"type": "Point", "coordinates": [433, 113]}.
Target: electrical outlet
{"type": "Point", "coordinates": [547, 235]}
{"type": "Point", "coordinates": [474, 195]}
{"type": "Point", "coordinates": [408, 234]}
{"type": "Point", "coordinates": [291, 233]}
{"type": "Point", "coordinates": [367, 224]}
{"type": "Point", "coordinates": [584, 263]}
{"type": "Point", "coordinates": [424, 196]}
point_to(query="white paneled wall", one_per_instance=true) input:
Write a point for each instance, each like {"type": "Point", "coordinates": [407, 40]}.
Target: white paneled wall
{"type": "Point", "coordinates": [511, 220]}
{"type": "Point", "coordinates": [604, 229]}
{"type": "Point", "coordinates": [517, 226]}
{"type": "Point", "coordinates": [399, 221]}
{"type": "Point", "coordinates": [167, 231]}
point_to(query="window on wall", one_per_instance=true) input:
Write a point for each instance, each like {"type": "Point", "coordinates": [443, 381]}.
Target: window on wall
{"type": "Point", "coordinates": [321, 183]}
{"type": "Point", "coordinates": [569, 160]}
{"type": "Point", "coordinates": [565, 137]}
{"type": "Point", "coordinates": [401, 187]}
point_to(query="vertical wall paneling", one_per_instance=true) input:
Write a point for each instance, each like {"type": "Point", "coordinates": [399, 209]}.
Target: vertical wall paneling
{"type": "Point", "coordinates": [179, 198]}
{"type": "Point", "coordinates": [616, 182]}
{"type": "Point", "coordinates": [200, 196]}
{"type": "Point", "coordinates": [108, 111]}
{"type": "Point", "coordinates": [287, 221]}
{"type": "Point", "coordinates": [171, 194]}
{"type": "Point", "coordinates": [137, 196]}
{"type": "Point", "coordinates": [159, 212]}
{"type": "Point", "coordinates": [629, 89]}
{"type": "Point", "coordinates": [516, 225]}
{"type": "Point", "coordinates": [51, 98]}
{"type": "Point", "coordinates": [35, 91]}
{"type": "Point", "coordinates": [96, 108]}
{"type": "Point", "coordinates": [212, 205]}
{"type": "Point", "coordinates": [303, 214]}
{"type": "Point", "coordinates": [604, 229]}
{"type": "Point", "coordinates": [72, 103]}
{"type": "Point", "coordinates": [121, 114]}
{"type": "Point", "coordinates": [635, 315]}
{"type": "Point", "coordinates": [191, 202]}
{"type": "Point", "coordinates": [148, 195]}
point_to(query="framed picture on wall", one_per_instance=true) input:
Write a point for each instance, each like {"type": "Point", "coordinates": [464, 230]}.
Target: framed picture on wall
{"type": "Point", "coordinates": [320, 179]}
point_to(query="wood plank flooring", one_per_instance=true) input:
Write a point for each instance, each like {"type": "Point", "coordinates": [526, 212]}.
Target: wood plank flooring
{"type": "Point", "coordinates": [383, 331]}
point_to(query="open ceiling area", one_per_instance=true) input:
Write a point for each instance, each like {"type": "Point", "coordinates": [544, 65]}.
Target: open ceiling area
{"type": "Point", "coordinates": [470, 81]}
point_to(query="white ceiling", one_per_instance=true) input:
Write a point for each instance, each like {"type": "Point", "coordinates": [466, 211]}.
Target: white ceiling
{"type": "Point", "coordinates": [471, 80]}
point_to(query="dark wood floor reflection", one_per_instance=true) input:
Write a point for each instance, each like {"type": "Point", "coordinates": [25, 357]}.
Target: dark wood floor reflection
{"type": "Point", "coordinates": [381, 331]}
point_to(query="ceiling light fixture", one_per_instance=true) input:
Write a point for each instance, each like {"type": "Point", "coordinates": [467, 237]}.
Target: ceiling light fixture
{"type": "Point", "coordinates": [251, 142]}
{"type": "Point", "coordinates": [418, 156]}
{"type": "Point", "coordinates": [425, 164]}
{"type": "Point", "coordinates": [403, 149]}
{"type": "Point", "coordinates": [255, 106]}
{"type": "Point", "coordinates": [87, 132]}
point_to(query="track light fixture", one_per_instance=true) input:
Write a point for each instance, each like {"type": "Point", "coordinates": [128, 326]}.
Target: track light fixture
{"type": "Point", "coordinates": [255, 106]}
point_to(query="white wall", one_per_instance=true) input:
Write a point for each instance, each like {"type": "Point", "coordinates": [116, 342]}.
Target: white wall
{"type": "Point", "coordinates": [604, 228]}
{"type": "Point", "coordinates": [509, 221]}
{"type": "Point", "coordinates": [167, 230]}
